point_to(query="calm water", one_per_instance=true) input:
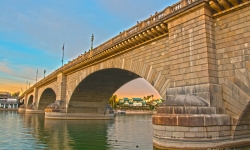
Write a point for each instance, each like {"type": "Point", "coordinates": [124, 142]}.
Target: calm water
{"type": "Point", "coordinates": [32, 131]}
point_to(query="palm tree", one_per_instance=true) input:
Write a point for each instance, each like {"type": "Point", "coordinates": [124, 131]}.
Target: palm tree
{"type": "Point", "coordinates": [114, 100]}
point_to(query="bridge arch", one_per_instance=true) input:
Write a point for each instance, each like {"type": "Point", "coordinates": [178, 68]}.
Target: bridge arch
{"type": "Point", "coordinates": [93, 92]}
{"type": "Point", "coordinates": [30, 100]}
{"type": "Point", "coordinates": [47, 97]}
{"type": "Point", "coordinates": [243, 125]}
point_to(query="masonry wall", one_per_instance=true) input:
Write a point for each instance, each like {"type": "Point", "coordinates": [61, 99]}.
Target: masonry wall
{"type": "Point", "coordinates": [193, 68]}
{"type": "Point", "coordinates": [232, 38]}
{"type": "Point", "coordinates": [150, 61]}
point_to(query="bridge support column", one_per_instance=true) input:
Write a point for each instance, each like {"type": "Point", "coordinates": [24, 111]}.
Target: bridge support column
{"type": "Point", "coordinates": [22, 108]}
{"type": "Point", "coordinates": [61, 91]}
{"type": "Point", "coordinates": [60, 104]}
{"type": "Point", "coordinates": [33, 108]}
{"type": "Point", "coordinates": [192, 116]}
{"type": "Point", "coordinates": [35, 100]}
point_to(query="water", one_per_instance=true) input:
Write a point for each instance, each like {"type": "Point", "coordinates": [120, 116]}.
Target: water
{"type": "Point", "coordinates": [31, 131]}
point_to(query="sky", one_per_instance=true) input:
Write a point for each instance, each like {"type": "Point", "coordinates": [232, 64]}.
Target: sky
{"type": "Point", "coordinates": [32, 33]}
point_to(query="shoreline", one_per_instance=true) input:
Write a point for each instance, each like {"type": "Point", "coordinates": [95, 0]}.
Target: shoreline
{"type": "Point", "coordinates": [137, 112]}
{"type": "Point", "coordinates": [9, 109]}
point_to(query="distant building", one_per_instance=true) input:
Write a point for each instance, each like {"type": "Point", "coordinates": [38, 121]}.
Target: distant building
{"type": "Point", "coordinates": [132, 102]}
{"type": "Point", "coordinates": [8, 103]}
{"type": "Point", "coordinates": [126, 101]}
{"type": "Point", "coordinates": [137, 101]}
{"type": "Point", "coordinates": [4, 95]}
{"type": "Point", "coordinates": [121, 102]}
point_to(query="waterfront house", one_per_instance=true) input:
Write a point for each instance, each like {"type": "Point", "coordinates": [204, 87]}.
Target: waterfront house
{"type": "Point", "coordinates": [121, 102]}
{"type": "Point", "coordinates": [137, 101]}
{"type": "Point", "coordinates": [4, 95]}
{"type": "Point", "coordinates": [8, 103]}
{"type": "Point", "coordinates": [132, 102]}
{"type": "Point", "coordinates": [126, 101]}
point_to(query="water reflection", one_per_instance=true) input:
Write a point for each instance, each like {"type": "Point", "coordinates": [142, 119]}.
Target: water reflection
{"type": "Point", "coordinates": [131, 132]}
{"type": "Point", "coordinates": [31, 131]}
{"type": "Point", "coordinates": [77, 134]}
{"type": "Point", "coordinates": [124, 132]}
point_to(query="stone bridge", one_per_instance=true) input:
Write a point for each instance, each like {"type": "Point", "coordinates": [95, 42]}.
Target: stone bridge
{"type": "Point", "coordinates": [195, 53]}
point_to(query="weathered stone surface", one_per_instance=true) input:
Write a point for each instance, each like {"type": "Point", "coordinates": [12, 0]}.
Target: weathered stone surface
{"type": "Point", "coordinates": [165, 120]}
{"type": "Point", "coordinates": [185, 100]}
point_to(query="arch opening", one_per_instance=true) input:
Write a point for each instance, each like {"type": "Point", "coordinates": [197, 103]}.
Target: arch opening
{"type": "Point", "coordinates": [92, 93]}
{"type": "Point", "coordinates": [48, 96]}
{"type": "Point", "coordinates": [243, 126]}
{"type": "Point", "coordinates": [30, 100]}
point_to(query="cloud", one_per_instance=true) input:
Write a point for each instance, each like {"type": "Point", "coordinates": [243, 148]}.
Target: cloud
{"type": "Point", "coordinates": [135, 10]}
{"type": "Point", "coordinates": [4, 68]}
{"type": "Point", "coordinates": [11, 85]}
{"type": "Point", "coordinates": [19, 72]}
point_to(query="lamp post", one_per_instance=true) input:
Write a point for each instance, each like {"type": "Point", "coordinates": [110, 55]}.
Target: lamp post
{"type": "Point", "coordinates": [63, 53]}
{"type": "Point", "coordinates": [36, 75]}
{"type": "Point", "coordinates": [92, 40]}
{"type": "Point", "coordinates": [44, 73]}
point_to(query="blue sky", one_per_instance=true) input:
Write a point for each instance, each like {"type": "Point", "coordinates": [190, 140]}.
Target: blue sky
{"type": "Point", "coordinates": [32, 32]}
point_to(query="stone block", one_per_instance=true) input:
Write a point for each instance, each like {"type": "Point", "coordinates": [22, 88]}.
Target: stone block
{"type": "Point", "coordinates": [194, 129]}
{"type": "Point", "coordinates": [189, 134]}
{"type": "Point", "coordinates": [178, 134]}
{"type": "Point", "coordinates": [215, 134]}
{"type": "Point", "coordinates": [171, 128]}
{"type": "Point", "coordinates": [169, 120]}
{"type": "Point", "coordinates": [224, 133]}
{"type": "Point", "coordinates": [182, 129]}
{"type": "Point", "coordinates": [191, 120]}
{"type": "Point", "coordinates": [159, 127]}
{"type": "Point", "coordinates": [160, 133]}
{"type": "Point", "coordinates": [168, 134]}
{"type": "Point", "coordinates": [199, 135]}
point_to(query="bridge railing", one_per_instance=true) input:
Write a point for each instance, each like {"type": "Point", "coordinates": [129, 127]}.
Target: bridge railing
{"type": "Point", "coordinates": [122, 35]}
{"type": "Point", "coordinates": [140, 25]}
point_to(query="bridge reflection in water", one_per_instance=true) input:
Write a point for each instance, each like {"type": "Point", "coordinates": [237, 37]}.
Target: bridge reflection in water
{"type": "Point", "coordinates": [124, 132]}
{"type": "Point", "coordinates": [32, 131]}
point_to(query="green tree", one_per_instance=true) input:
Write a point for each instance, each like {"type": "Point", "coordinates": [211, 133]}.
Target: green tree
{"type": "Point", "coordinates": [112, 100]}
{"type": "Point", "coordinates": [15, 94]}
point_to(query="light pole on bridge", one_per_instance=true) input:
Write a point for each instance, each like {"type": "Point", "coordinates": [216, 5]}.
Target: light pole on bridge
{"type": "Point", "coordinates": [63, 53]}
{"type": "Point", "coordinates": [44, 73]}
{"type": "Point", "coordinates": [92, 40]}
{"type": "Point", "coordinates": [36, 75]}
